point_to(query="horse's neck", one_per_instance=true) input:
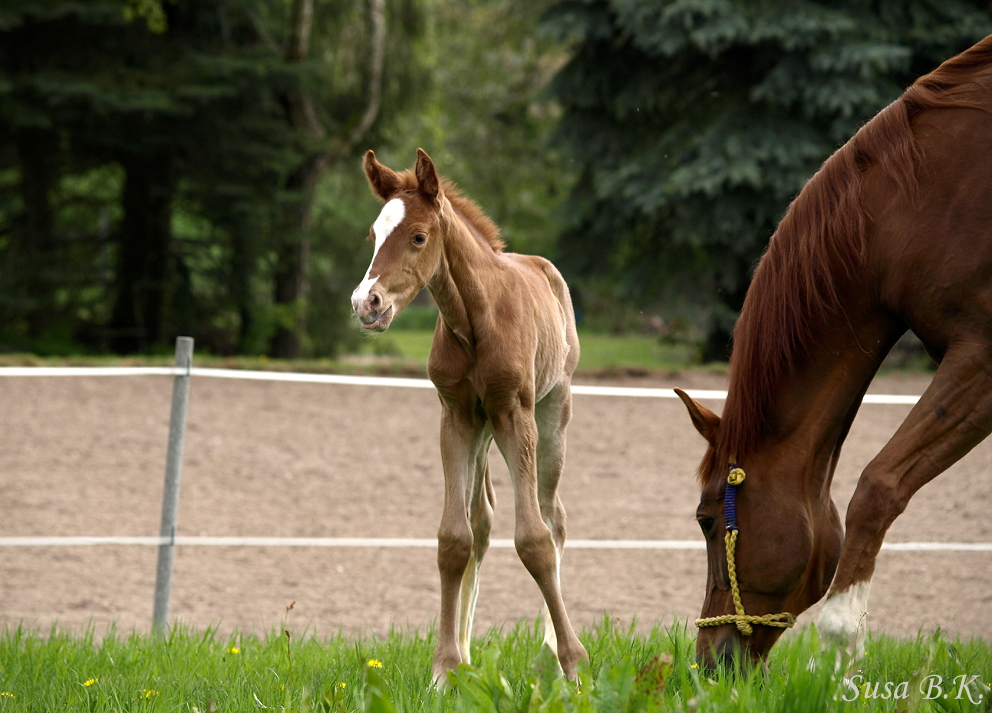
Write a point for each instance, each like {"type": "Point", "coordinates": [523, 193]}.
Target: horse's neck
{"type": "Point", "coordinates": [461, 284]}
{"type": "Point", "coordinates": [813, 407]}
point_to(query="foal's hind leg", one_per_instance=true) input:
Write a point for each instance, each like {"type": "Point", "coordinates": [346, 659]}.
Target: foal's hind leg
{"type": "Point", "coordinates": [953, 416]}
{"type": "Point", "coordinates": [552, 415]}
{"type": "Point", "coordinates": [516, 433]}
{"type": "Point", "coordinates": [482, 504]}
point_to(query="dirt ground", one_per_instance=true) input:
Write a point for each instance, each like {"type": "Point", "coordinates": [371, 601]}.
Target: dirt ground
{"type": "Point", "coordinates": [85, 456]}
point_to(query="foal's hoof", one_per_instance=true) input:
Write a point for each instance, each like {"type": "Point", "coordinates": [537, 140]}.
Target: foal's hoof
{"type": "Point", "coordinates": [569, 657]}
{"type": "Point", "coordinates": [442, 666]}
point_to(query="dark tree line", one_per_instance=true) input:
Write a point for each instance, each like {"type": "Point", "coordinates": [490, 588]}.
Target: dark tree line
{"type": "Point", "coordinates": [192, 166]}
{"type": "Point", "coordinates": [159, 161]}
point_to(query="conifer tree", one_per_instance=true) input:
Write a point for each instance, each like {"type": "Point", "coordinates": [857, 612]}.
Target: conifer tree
{"type": "Point", "coordinates": [695, 122]}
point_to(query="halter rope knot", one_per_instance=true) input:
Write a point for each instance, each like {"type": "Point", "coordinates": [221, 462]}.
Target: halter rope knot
{"type": "Point", "coordinates": [743, 621]}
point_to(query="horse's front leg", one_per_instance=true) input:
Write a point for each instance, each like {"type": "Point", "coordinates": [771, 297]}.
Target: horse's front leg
{"type": "Point", "coordinates": [953, 415]}
{"type": "Point", "coordinates": [516, 434]}
{"type": "Point", "coordinates": [461, 439]}
{"type": "Point", "coordinates": [482, 504]}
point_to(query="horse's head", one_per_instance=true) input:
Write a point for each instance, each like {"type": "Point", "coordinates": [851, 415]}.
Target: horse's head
{"type": "Point", "coordinates": [785, 551]}
{"type": "Point", "coordinates": [406, 237]}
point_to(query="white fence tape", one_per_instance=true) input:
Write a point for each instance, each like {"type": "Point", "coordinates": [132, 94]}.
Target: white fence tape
{"type": "Point", "coordinates": [577, 389]}
{"type": "Point", "coordinates": [426, 542]}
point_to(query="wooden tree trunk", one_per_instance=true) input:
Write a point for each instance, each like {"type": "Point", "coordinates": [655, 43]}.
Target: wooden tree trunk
{"type": "Point", "coordinates": [143, 252]}
{"type": "Point", "coordinates": [36, 258]}
{"type": "Point", "coordinates": [245, 230]}
{"type": "Point", "coordinates": [290, 281]}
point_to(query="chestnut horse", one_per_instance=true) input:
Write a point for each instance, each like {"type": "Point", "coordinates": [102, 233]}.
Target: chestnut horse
{"type": "Point", "coordinates": [502, 359]}
{"type": "Point", "coordinates": [894, 232]}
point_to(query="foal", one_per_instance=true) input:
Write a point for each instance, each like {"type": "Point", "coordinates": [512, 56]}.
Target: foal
{"type": "Point", "coordinates": [502, 359]}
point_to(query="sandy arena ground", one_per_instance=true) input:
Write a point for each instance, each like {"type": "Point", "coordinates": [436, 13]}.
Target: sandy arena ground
{"type": "Point", "coordinates": [85, 456]}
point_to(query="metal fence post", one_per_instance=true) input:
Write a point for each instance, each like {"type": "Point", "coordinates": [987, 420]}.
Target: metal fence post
{"type": "Point", "coordinates": [170, 496]}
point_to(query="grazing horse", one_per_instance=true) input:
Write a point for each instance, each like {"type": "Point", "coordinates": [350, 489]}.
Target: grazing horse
{"type": "Point", "coordinates": [894, 232]}
{"type": "Point", "coordinates": [502, 358]}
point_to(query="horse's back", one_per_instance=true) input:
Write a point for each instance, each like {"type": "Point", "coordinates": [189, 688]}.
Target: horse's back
{"type": "Point", "coordinates": [933, 250]}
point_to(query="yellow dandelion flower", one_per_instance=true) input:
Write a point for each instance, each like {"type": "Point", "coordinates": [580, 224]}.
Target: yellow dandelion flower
{"type": "Point", "coordinates": [375, 663]}
{"type": "Point", "coordinates": [148, 692]}
{"type": "Point", "coordinates": [694, 665]}
{"type": "Point", "coordinates": [90, 682]}
{"type": "Point", "coordinates": [7, 694]}
{"type": "Point", "coordinates": [343, 684]}
{"type": "Point", "coordinates": [234, 650]}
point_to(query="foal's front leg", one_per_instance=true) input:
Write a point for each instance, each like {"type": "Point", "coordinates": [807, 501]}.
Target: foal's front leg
{"type": "Point", "coordinates": [461, 439]}
{"type": "Point", "coordinates": [515, 431]}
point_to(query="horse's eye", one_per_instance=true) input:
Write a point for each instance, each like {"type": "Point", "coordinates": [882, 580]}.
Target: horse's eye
{"type": "Point", "coordinates": [419, 239]}
{"type": "Point", "coordinates": [705, 524]}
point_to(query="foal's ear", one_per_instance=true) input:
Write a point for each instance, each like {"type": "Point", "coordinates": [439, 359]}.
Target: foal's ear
{"type": "Point", "coordinates": [426, 174]}
{"type": "Point", "coordinates": [382, 180]}
{"type": "Point", "coordinates": [705, 421]}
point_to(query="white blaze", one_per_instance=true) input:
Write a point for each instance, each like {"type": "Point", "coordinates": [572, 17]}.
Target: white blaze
{"type": "Point", "coordinates": [844, 617]}
{"type": "Point", "coordinates": [390, 217]}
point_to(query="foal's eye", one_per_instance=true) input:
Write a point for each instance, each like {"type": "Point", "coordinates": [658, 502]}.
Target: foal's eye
{"type": "Point", "coordinates": [705, 524]}
{"type": "Point", "coordinates": [419, 239]}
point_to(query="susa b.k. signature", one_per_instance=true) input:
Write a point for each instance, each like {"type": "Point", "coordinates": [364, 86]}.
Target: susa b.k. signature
{"type": "Point", "coordinates": [931, 687]}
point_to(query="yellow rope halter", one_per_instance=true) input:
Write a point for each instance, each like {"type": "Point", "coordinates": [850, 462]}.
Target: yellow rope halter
{"type": "Point", "coordinates": [742, 620]}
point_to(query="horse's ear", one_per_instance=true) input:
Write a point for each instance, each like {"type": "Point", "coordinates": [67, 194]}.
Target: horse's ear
{"type": "Point", "coordinates": [705, 421]}
{"type": "Point", "coordinates": [382, 180]}
{"type": "Point", "coordinates": [430, 185]}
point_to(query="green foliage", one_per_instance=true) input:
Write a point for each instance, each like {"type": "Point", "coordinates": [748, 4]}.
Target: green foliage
{"type": "Point", "coordinates": [486, 119]}
{"type": "Point", "coordinates": [599, 353]}
{"type": "Point", "coordinates": [150, 10]}
{"type": "Point", "coordinates": [695, 122]}
{"type": "Point", "coordinates": [627, 672]}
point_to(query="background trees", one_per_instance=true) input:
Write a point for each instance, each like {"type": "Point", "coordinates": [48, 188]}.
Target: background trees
{"type": "Point", "coordinates": [160, 172]}
{"type": "Point", "coordinates": [695, 122]}
{"type": "Point", "coordinates": [193, 166]}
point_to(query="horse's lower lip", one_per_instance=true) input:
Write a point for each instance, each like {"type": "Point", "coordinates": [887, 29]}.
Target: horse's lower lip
{"type": "Point", "coordinates": [378, 320]}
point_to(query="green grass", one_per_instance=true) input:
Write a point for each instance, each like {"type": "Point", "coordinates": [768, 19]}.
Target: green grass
{"type": "Point", "coordinates": [599, 352]}
{"type": "Point", "coordinates": [405, 351]}
{"type": "Point", "coordinates": [410, 336]}
{"type": "Point", "coordinates": [198, 671]}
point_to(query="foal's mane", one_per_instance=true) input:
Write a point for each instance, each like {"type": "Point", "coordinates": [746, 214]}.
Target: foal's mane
{"type": "Point", "coordinates": [820, 241]}
{"type": "Point", "coordinates": [466, 208]}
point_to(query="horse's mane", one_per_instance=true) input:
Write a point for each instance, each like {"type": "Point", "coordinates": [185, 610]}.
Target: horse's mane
{"type": "Point", "coordinates": [822, 239]}
{"type": "Point", "coordinates": [464, 206]}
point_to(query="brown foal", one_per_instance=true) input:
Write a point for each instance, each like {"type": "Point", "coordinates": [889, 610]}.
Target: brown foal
{"type": "Point", "coordinates": [502, 359]}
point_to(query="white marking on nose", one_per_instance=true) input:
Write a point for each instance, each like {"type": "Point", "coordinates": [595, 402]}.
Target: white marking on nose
{"type": "Point", "coordinates": [391, 216]}
{"type": "Point", "coordinates": [844, 616]}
